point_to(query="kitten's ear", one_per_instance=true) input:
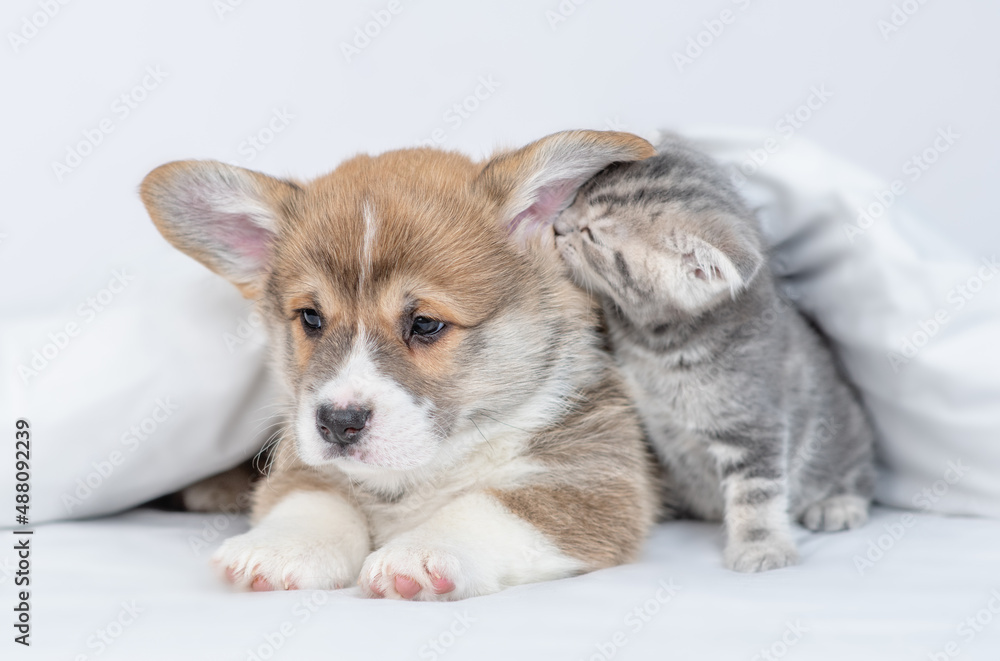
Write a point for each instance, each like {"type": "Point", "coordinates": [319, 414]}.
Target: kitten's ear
{"type": "Point", "coordinates": [224, 216]}
{"type": "Point", "coordinates": [534, 183]}
{"type": "Point", "coordinates": [725, 263]}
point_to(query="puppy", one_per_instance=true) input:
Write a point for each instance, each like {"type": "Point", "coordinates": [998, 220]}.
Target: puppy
{"type": "Point", "coordinates": [455, 426]}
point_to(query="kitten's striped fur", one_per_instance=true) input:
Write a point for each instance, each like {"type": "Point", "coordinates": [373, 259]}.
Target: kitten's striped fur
{"type": "Point", "coordinates": [740, 395]}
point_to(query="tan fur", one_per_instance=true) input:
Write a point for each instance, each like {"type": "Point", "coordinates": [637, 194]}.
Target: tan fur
{"type": "Point", "coordinates": [421, 232]}
{"type": "Point", "coordinates": [228, 491]}
{"type": "Point", "coordinates": [598, 491]}
{"type": "Point", "coordinates": [290, 475]}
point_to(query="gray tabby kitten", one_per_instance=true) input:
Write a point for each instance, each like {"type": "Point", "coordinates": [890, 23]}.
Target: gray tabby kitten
{"type": "Point", "coordinates": [740, 395]}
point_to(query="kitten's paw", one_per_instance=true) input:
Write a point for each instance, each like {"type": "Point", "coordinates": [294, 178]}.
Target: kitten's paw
{"type": "Point", "coordinates": [402, 570]}
{"type": "Point", "coordinates": [760, 556]}
{"type": "Point", "coordinates": [264, 560]}
{"type": "Point", "coordinates": [841, 512]}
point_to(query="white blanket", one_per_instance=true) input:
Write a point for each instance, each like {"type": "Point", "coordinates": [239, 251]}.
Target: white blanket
{"type": "Point", "coordinates": [139, 587]}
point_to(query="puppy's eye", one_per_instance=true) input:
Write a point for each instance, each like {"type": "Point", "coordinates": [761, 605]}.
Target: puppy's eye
{"type": "Point", "coordinates": [425, 326]}
{"type": "Point", "coordinates": [587, 233]}
{"type": "Point", "coordinates": [312, 322]}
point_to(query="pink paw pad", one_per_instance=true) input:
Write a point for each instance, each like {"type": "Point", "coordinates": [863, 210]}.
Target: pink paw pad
{"type": "Point", "coordinates": [260, 584]}
{"type": "Point", "coordinates": [440, 584]}
{"type": "Point", "coordinates": [406, 586]}
{"type": "Point", "coordinates": [373, 586]}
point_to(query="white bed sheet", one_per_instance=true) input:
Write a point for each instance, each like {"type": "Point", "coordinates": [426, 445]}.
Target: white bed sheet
{"type": "Point", "coordinates": [908, 605]}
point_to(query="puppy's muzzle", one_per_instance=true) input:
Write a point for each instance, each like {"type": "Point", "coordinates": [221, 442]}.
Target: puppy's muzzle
{"type": "Point", "coordinates": [342, 427]}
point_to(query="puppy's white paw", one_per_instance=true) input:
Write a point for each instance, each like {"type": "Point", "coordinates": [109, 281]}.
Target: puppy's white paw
{"type": "Point", "coordinates": [841, 512]}
{"type": "Point", "coordinates": [265, 560]}
{"type": "Point", "coordinates": [422, 572]}
{"type": "Point", "coordinates": [760, 556]}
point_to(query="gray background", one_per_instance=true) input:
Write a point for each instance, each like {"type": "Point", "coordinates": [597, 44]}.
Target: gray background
{"type": "Point", "coordinates": [607, 64]}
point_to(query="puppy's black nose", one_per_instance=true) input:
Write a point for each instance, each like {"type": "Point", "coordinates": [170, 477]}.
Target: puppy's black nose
{"type": "Point", "coordinates": [341, 426]}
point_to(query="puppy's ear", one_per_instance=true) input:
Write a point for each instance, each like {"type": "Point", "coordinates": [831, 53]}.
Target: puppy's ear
{"type": "Point", "coordinates": [224, 216]}
{"type": "Point", "coordinates": [710, 266]}
{"type": "Point", "coordinates": [534, 183]}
